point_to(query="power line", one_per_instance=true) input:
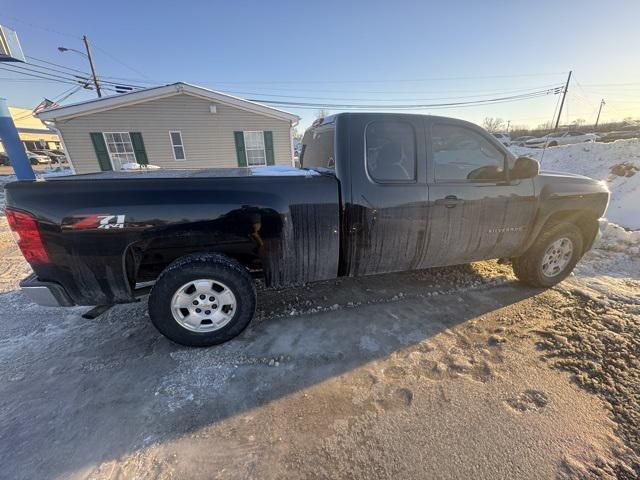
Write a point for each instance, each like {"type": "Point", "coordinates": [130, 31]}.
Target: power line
{"type": "Point", "coordinates": [51, 79]}
{"type": "Point", "coordinates": [30, 69]}
{"type": "Point", "coordinates": [378, 99]}
{"type": "Point", "coordinates": [56, 64]}
{"type": "Point", "coordinates": [102, 80]}
{"type": "Point", "coordinates": [120, 61]}
{"type": "Point", "coordinates": [46, 70]}
{"type": "Point", "coordinates": [58, 98]}
{"type": "Point", "coordinates": [66, 76]}
{"type": "Point", "coordinates": [84, 83]}
{"type": "Point", "coordinates": [542, 93]}
{"type": "Point", "coordinates": [404, 92]}
{"type": "Point", "coordinates": [611, 84]}
{"type": "Point", "coordinates": [33, 25]}
{"type": "Point", "coordinates": [584, 93]}
{"type": "Point", "coordinates": [390, 80]}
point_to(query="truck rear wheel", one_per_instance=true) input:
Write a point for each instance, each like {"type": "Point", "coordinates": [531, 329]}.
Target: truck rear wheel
{"type": "Point", "coordinates": [202, 299]}
{"type": "Point", "coordinates": [552, 257]}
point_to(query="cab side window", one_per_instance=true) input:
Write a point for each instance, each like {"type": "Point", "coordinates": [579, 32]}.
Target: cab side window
{"type": "Point", "coordinates": [390, 152]}
{"type": "Point", "coordinates": [460, 154]}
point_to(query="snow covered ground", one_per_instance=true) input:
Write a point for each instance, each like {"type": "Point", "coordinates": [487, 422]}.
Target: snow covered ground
{"type": "Point", "coordinates": [616, 163]}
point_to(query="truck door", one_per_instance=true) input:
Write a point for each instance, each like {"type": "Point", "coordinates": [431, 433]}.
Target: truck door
{"type": "Point", "coordinates": [475, 211]}
{"type": "Point", "coordinates": [385, 217]}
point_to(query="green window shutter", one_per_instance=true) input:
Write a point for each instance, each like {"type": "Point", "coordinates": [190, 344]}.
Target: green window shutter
{"type": "Point", "coordinates": [101, 151]}
{"type": "Point", "coordinates": [268, 148]}
{"type": "Point", "coordinates": [138, 148]}
{"type": "Point", "coordinates": [240, 151]}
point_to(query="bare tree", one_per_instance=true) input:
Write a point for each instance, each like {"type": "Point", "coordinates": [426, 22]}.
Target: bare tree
{"type": "Point", "coordinates": [578, 122]}
{"type": "Point", "coordinates": [493, 124]}
{"type": "Point", "coordinates": [297, 134]}
{"type": "Point", "coordinates": [321, 113]}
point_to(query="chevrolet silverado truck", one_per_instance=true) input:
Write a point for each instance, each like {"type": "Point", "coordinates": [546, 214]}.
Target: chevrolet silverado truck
{"type": "Point", "coordinates": [375, 193]}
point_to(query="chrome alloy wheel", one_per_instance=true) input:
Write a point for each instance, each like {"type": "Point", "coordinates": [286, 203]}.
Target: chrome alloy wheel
{"type": "Point", "coordinates": [203, 305]}
{"type": "Point", "coordinates": [556, 257]}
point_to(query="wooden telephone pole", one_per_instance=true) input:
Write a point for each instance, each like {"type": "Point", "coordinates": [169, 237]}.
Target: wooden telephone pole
{"type": "Point", "coordinates": [93, 68]}
{"type": "Point", "coordinates": [564, 94]}
{"type": "Point", "coordinates": [599, 111]}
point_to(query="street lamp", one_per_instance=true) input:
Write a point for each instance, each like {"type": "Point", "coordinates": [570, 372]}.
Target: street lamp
{"type": "Point", "coordinates": [65, 49]}
{"type": "Point", "coordinates": [88, 56]}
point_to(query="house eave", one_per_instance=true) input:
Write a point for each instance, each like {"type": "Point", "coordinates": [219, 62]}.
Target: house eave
{"type": "Point", "coordinates": [117, 101]}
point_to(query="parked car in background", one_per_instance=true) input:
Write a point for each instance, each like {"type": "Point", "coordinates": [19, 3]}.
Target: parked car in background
{"type": "Point", "coordinates": [520, 141]}
{"type": "Point", "coordinates": [503, 138]}
{"type": "Point", "coordinates": [632, 131]}
{"type": "Point", "coordinates": [4, 160]}
{"type": "Point", "coordinates": [37, 158]}
{"type": "Point", "coordinates": [561, 138]}
{"type": "Point", "coordinates": [54, 156]}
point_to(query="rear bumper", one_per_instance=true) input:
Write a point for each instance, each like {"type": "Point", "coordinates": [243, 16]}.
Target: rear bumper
{"type": "Point", "coordinates": [47, 294]}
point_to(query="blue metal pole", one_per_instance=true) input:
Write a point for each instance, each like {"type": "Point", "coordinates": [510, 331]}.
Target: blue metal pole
{"type": "Point", "coordinates": [12, 144]}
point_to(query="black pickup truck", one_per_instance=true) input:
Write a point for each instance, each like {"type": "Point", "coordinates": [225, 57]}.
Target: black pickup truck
{"type": "Point", "coordinates": [375, 193]}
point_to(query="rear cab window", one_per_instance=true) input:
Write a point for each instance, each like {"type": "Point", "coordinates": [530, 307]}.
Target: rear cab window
{"type": "Point", "coordinates": [318, 144]}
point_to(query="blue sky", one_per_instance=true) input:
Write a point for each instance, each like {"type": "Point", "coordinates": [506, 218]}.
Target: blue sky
{"type": "Point", "coordinates": [337, 52]}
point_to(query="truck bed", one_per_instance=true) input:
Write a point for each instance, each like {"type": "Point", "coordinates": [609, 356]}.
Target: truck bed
{"type": "Point", "coordinates": [104, 232]}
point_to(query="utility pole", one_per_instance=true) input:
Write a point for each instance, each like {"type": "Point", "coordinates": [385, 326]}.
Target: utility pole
{"type": "Point", "coordinates": [93, 68]}
{"type": "Point", "coordinates": [599, 111]}
{"type": "Point", "coordinates": [564, 94]}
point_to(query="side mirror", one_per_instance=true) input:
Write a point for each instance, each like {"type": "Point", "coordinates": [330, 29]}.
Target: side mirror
{"type": "Point", "coordinates": [525, 167]}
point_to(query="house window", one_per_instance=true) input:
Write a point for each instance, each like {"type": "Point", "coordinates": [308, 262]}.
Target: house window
{"type": "Point", "coordinates": [254, 146]}
{"type": "Point", "coordinates": [177, 145]}
{"type": "Point", "coordinates": [120, 149]}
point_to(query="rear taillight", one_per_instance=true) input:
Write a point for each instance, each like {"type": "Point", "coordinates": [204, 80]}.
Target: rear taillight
{"type": "Point", "coordinates": [28, 235]}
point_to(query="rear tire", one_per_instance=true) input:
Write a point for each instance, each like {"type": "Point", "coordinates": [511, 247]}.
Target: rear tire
{"type": "Point", "coordinates": [202, 300]}
{"type": "Point", "coordinates": [552, 257]}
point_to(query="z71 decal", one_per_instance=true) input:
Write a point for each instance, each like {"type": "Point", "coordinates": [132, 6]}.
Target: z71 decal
{"type": "Point", "coordinates": [111, 221]}
{"type": "Point", "coordinates": [94, 221]}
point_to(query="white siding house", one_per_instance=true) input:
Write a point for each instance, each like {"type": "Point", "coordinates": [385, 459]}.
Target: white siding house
{"type": "Point", "coordinates": [174, 126]}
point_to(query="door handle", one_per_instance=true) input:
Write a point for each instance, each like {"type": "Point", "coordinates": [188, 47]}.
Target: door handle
{"type": "Point", "coordinates": [449, 201]}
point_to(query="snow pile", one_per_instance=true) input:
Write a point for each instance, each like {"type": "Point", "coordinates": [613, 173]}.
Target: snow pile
{"type": "Point", "coordinates": [137, 166]}
{"type": "Point", "coordinates": [616, 163]}
{"type": "Point", "coordinates": [617, 239]}
{"type": "Point", "coordinates": [54, 172]}
{"type": "Point", "coordinates": [282, 171]}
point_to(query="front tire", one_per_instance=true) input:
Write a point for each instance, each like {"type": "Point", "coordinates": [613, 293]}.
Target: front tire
{"type": "Point", "coordinates": [202, 300]}
{"type": "Point", "coordinates": [552, 257]}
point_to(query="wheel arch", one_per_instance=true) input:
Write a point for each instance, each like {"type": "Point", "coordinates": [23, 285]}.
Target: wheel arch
{"type": "Point", "coordinates": [585, 220]}
{"type": "Point", "coordinates": [144, 260]}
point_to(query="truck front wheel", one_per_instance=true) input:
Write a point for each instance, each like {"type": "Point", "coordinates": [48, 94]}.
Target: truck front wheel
{"type": "Point", "coordinates": [552, 257]}
{"type": "Point", "coordinates": [202, 299]}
